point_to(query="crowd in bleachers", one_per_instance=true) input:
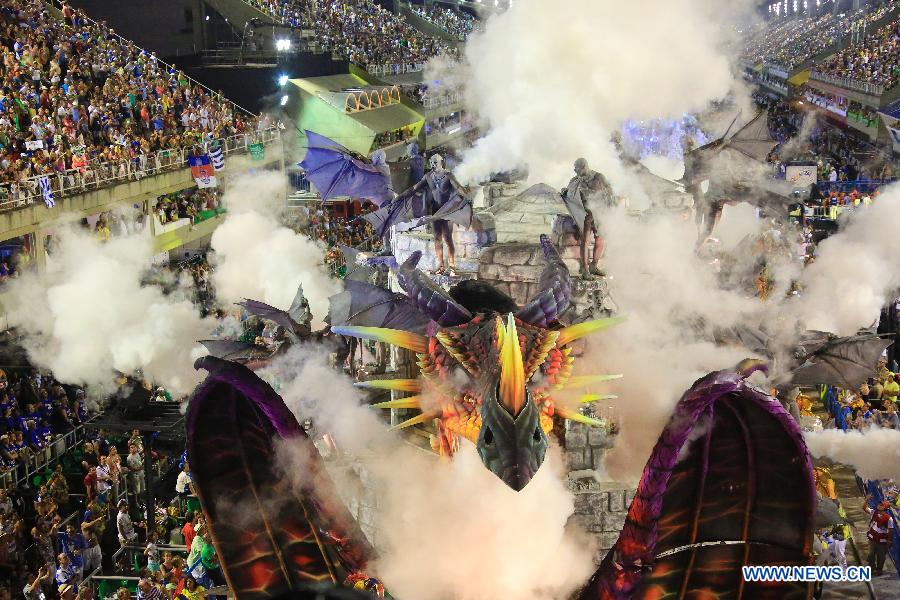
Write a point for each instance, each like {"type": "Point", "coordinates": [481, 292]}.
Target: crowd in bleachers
{"type": "Point", "coordinates": [453, 21]}
{"type": "Point", "coordinates": [826, 32]}
{"type": "Point", "coordinates": [836, 154]}
{"type": "Point", "coordinates": [67, 492]}
{"type": "Point", "coordinates": [790, 43]}
{"type": "Point", "coordinates": [370, 35]}
{"type": "Point", "coordinates": [767, 40]}
{"type": "Point", "coordinates": [194, 204]}
{"type": "Point", "coordinates": [360, 30]}
{"type": "Point", "coordinates": [874, 403]}
{"type": "Point", "coordinates": [74, 94]}
{"type": "Point", "coordinates": [875, 61]}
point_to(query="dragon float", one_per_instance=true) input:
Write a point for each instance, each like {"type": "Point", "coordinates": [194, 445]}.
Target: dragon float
{"type": "Point", "coordinates": [729, 482]}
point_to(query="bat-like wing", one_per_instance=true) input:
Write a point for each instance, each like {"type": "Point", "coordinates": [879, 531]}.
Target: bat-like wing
{"type": "Point", "coordinates": [366, 305]}
{"type": "Point", "coordinates": [845, 362]}
{"type": "Point", "coordinates": [336, 171]}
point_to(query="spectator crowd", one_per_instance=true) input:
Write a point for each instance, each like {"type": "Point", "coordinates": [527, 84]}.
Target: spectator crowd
{"type": "Point", "coordinates": [876, 60]}
{"type": "Point", "coordinates": [870, 54]}
{"type": "Point", "coordinates": [360, 30]}
{"type": "Point", "coordinates": [454, 21]}
{"type": "Point", "coordinates": [74, 95]}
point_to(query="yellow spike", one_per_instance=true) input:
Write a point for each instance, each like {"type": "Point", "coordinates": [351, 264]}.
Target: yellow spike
{"type": "Point", "coordinates": [569, 334]}
{"type": "Point", "coordinates": [411, 402]}
{"type": "Point", "coordinates": [574, 415]}
{"type": "Point", "coordinates": [512, 371]}
{"type": "Point", "coordinates": [586, 380]}
{"type": "Point", "coordinates": [404, 339]}
{"type": "Point", "coordinates": [596, 397]}
{"type": "Point", "coordinates": [421, 418]}
{"type": "Point", "coordinates": [399, 385]}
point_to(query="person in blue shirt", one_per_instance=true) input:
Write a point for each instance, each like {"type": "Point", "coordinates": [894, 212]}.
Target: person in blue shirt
{"type": "Point", "coordinates": [44, 432]}
{"type": "Point", "coordinates": [65, 572]}
{"type": "Point", "coordinates": [73, 544]}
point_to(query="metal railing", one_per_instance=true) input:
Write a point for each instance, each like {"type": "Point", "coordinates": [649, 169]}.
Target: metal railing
{"type": "Point", "coordinates": [394, 69]}
{"type": "Point", "coordinates": [17, 476]}
{"type": "Point", "coordinates": [99, 175]}
{"type": "Point", "coordinates": [236, 56]}
{"type": "Point", "coordinates": [442, 100]}
{"type": "Point", "coordinates": [872, 89]}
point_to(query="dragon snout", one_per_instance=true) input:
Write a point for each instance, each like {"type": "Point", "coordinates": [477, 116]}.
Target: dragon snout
{"type": "Point", "coordinates": [517, 476]}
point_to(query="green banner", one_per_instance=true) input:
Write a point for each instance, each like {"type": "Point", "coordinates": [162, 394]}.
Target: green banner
{"type": "Point", "coordinates": [257, 151]}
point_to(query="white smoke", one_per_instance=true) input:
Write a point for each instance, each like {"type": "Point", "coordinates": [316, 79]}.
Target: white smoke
{"type": "Point", "coordinates": [553, 80]}
{"type": "Point", "coordinates": [258, 258]}
{"type": "Point", "coordinates": [456, 531]}
{"type": "Point", "coordinates": [856, 271]}
{"type": "Point", "coordinates": [88, 315]}
{"type": "Point", "coordinates": [441, 526]}
{"type": "Point", "coordinates": [874, 453]}
{"type": "Point", "coordinates": [672, 300]}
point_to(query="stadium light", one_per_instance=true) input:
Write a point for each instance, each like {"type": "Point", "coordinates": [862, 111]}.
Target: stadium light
{"type": "Point", "coordinates": [282, 79]}
{"type": "Point", "coordinates": [282, 45]}
{"type": "Point", "coordinates": [284, 100]}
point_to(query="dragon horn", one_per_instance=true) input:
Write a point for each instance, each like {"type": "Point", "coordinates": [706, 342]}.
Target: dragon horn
{"type": "Point", "coordinates": [512, 371]}
{"type": "Point", "coordinates": [573, 415]}
{"type": "Point", "coordinates": [428, 297]}
{"type": "Point", "coordinates": [569, 334]}
{"type": "Point", "coordinates": [596, 397]}
{"type": "Point", "coordinates": [398, 385]}
{"type": "Point", "coordinates": [422, 418]}
{"type": "Point", "coordinates": [556, 290]}
{"type": "Point", "coordinates": [404, 339]}
{"type": "Point", "coordinates": [411, 402]}
{"type": "Point", "coordinates": [586, 380]}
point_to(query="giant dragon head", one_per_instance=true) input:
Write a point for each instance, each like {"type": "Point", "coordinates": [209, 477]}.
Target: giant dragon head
{"type": "Point", "coordinates": [488, 374]}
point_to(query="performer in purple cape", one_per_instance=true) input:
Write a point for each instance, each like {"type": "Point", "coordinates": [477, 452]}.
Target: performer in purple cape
{"type": "Point", "coordinates": [448, 202]}
{"type": "Point", "coordinates": [436, 198]}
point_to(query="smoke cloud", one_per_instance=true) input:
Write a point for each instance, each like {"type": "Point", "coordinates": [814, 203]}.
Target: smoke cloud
{"type": "Point", "coordinates": [441, 526]}
{"type": "Point", "coordinates": [874, 453]}
{"type": "Point", "coordinates": [672, 301]}
{"type": "Point", "coordinates": [552, 81]}
{"type": "Point", "coordinates": [88, 315]}
{"type": "Point", "coordinates": [856, 271]}
{"type": "Point", "coordinates": [258, 258]}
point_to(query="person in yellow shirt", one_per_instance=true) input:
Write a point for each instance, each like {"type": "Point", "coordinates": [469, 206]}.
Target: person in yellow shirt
{"type": "Point", "coordinates": [192, 590]}
{"type": "Point", "coordinates": [804, 403]}
{"type": "Point", "coordinates": [891, 388]}
{"type": "Point", "coordinates": [824, 483]}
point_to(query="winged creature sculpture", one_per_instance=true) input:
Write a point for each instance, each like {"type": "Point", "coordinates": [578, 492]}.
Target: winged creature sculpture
{"type": "Point", "coordinates": [729, 482]}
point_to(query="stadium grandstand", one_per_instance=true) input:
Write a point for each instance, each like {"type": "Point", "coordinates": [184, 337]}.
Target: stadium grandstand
{"type": "Point", "coordinates": [262, 266]}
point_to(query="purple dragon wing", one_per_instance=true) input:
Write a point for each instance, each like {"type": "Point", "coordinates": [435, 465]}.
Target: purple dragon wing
{"type": "Point", "coordinates": [335, 171]}
{"type": "Point", "coordinates": [272, 534]}
{"type": "Point", "coordinates": [428, 297]}
{"type": "Point", "coordinates": [555, 290]}
{"type": "Point", "coordinates": [390, 214]}
{"type": "Point", "coordinates": [728, 484]}
{"type": "Point", "coordinates": [266, 311]}
{"type": "Point", "coordinates": [366, 305]}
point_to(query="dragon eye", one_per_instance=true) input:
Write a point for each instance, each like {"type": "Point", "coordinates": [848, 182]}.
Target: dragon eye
{"type": "Point", "coordinates": [488, 436]}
